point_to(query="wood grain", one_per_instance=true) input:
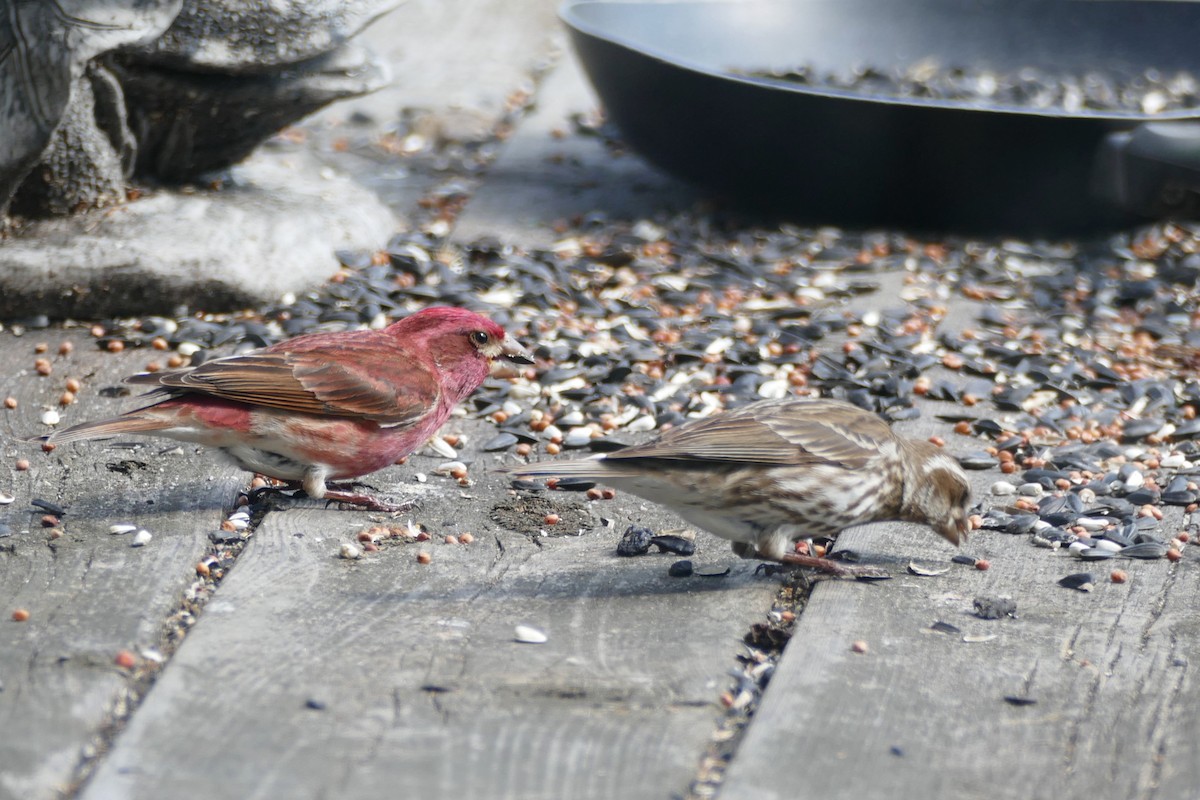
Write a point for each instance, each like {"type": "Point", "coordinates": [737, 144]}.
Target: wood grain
{"type": "Point", "coordinates": [425, 691]}
{"type": "Point", "coordinates": [89, 594]}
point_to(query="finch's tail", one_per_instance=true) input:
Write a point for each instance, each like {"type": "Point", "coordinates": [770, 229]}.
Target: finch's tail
{"type": "Point", "coordinates": [567, 468]}
{"type": "Point", "coordinates": [598, 468]}
{"type": "Point", "coordinates": [103, 428]}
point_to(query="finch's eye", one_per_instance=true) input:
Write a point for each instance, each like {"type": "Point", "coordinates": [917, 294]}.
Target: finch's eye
{"type": "Point", "coordinates": [480, 338]}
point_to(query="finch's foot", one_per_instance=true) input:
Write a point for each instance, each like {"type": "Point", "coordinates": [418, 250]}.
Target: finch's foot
{"type": "Point", "coordinates": [834, 568]}
{"type": "Point", "coordinates": [367, 502]}
{"type": "Point", "coordinates": [266, 494]}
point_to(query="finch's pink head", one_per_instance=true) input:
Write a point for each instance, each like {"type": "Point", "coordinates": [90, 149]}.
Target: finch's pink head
{"type": "Point", "coordinates": [460, 343]}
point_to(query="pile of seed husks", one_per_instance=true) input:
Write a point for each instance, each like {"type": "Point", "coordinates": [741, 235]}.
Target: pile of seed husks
{"type": "Point", "coordinates": [1070, 369]}
{"type": "Point", "coordinates": [1149, 92]}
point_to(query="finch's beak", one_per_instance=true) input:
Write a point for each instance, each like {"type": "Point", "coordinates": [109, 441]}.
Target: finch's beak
{"type": "Point", "coordinates": [514, 351]}
{"type": "Point", "coordinates": [956, 529]}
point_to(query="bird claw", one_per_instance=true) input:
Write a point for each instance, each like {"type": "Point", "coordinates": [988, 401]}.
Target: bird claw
{"type": "Point", "coordinates": [368, 502]}
{"type": "Point", "coordinates": [270, 494]}
{"type": "Point", "coordinates": [833, 569]}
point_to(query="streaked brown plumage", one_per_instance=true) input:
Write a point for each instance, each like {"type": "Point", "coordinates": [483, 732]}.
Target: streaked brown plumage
{"type": "Point", "coordinates": [773, 472]}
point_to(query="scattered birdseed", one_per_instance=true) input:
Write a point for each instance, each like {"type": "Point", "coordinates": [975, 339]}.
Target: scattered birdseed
{"type": "Point", "coordinates": [527, 634]}
{"type": "Point", "coordinates": [141, 538]}
{"type": "Point", "coordinates": [672, 544]}
{"type": "Point", "coordinates": [680, 569]}
{"type": "Point", "coordinates": [1081, 581]}
{"type": "Point", "coordinates": [20, 615]}
{"type": "Point", "coordinates": [859, 646]}
{"type": "Point", "coordinates": [349, 551]}
{"type": "Point", "coordinates": [125, 659]}
{"type": "Point", "coordinates": [635, 541]}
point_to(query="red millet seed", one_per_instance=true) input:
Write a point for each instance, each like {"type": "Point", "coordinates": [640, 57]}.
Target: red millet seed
{"type": "Point", "coordinates": [859, 646]}
{"type": "Point", "coordinates": [465, 538]}
{"type": "Point", "coordinates": [22, 464]}
{"type": "Point", "coordinates": [125, 660]}
{"type": "Point", "coordinates": [1174, 555]}
{"type": "Point", "coordinates": [423, 557]}
{"type": "Point", "coordinates": [65, 349]}
{"type": "Point", "coordinates": [1118, 576]}
{"type": "Point", "coordinates": [20, 615]}
{"type": "Point", "coordinates": [982, 564]}
{"type": "Point", "coordinates": [552, 519]}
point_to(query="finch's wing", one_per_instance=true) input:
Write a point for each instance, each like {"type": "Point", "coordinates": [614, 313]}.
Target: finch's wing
{"type": "Point", "coordinates": [353, 379]}
{"type": "Point", "coordinates": [788, 433]}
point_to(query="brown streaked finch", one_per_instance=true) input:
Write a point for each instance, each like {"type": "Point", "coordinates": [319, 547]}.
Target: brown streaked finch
{"type": "Point", "coordinates": [773, 472]}
{"type": "Point", "coordinates": [323, 406]}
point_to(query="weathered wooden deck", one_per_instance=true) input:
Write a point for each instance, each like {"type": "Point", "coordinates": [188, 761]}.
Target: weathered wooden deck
{"type": "Point", "coordinates": [310, 676]}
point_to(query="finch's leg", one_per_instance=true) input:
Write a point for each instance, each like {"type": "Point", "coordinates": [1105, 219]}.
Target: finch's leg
{"type": "Point", "coordinates": [829, 567]}
{"type": "Point", "coordinates": [367, 501]}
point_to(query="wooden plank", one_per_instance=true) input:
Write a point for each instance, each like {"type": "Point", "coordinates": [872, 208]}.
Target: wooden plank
{"type": "Point", "coordinates": [89, 594]}
{"type": "Point", "coordinates": [923, 714]}
{"type": "Point", "coordinates": [426, 692]}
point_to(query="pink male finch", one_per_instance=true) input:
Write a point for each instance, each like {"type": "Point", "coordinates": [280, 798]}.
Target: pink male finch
{"type": "Point", "coordinates": [324, 406]}
{"type": "Point", "coordinates": [773, 472]}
